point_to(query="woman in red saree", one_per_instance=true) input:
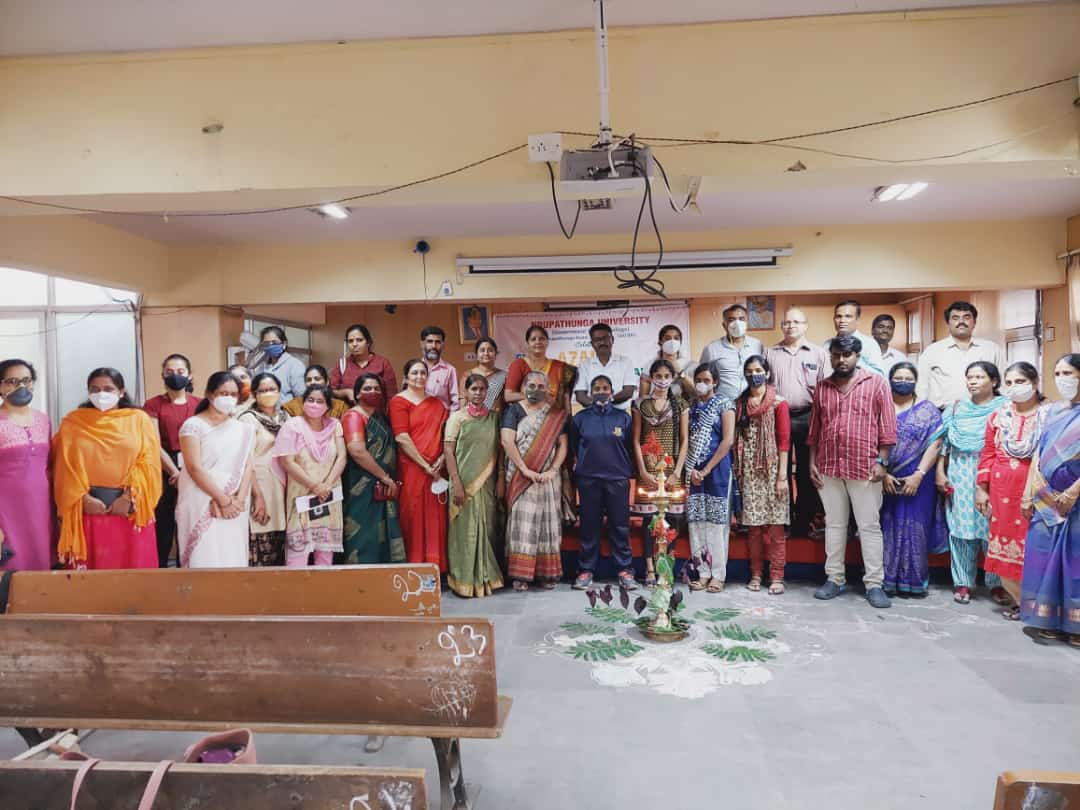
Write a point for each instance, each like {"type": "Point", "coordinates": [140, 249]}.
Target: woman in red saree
{"type": "Point", "coordinates": [417, 421]}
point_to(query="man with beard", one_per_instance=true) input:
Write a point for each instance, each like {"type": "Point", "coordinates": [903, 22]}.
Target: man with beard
{"type": "Point", "coordinates": [442, 381]}
{"type": "Point", "coordinates": [943, 365]}
{"type": "Point", "coordinates": [852, 432]}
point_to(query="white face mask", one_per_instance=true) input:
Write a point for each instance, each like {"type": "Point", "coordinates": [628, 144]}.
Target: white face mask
{"type": "Point", "coordinates": [671, 346]}
{"type": "Point", "coordinates": [225, 405]}
{"type": "Point", "coordinates": [1020, 392]}
{"type": "Point", "coordinates": [736, 329]}
{"type": "Point", "coordinates": [702, 388]}
{"type": "Point", "coordinates": [104, 400]}
{"type": "Point", "coordinates": [1067, 386]}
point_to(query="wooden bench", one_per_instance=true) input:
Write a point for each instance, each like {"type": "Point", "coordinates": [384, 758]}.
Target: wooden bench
{"type": "Point", "coordinates": [350, 590]}
{"type": "Point", "coordinates": [46, 785]}
{"type": "Point", "coordinates": [1046, 789]}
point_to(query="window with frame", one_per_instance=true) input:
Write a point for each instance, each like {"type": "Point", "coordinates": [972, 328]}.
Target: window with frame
{"type": "Point", "coordinates": [1021, 318]}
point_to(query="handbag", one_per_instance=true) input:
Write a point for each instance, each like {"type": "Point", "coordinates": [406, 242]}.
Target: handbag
{"type": "Point", "coordinates": [382, 492]}
{"type": "Point", "coordinates": [228, 747]}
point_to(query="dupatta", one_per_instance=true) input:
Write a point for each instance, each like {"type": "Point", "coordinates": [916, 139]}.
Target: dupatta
{"type": "Point", "coordinates": [296, 435]}
{"type": "Point", "coordinates": [917, 428]}
{"type": "Point", "coordinates": [116, 448]}
{"type": "Point", "coordinates": [964, 424]}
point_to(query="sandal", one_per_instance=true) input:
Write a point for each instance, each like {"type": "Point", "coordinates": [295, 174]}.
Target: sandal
{"type": "Point", "coordinates": [1073, 640]}
{"type": "Point", "coordinates": [1001, 596]}
{"type": "Point", "coordinates": [650, 579]}
{"type": "Point", "coordinates": [777, 587]}
{"type": "Point", "coordinates": [1011, 614]}
{"type": "Point", "coordinates": [1051, 635]}
{"type": "Point", "coordinates": [520, 586]}
{"type": "Point", "coordinates": [754, 584]}
{"type": "Point", "coordinates": [715, 586]}
{"type": "Point", "coordinates": [697, 585]}
{"type": "Point", "coordinates": [961, 595]}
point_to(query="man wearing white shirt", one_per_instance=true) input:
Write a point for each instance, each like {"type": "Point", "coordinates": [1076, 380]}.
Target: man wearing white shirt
{"type": "Point", "coordinates": [883, 328]}
{"type": "Point", "coordinates": [943, 365]}
{"type": "Point", "coordinates": [616, 367]}
{"type": "Point", "coordinates": [727, 355]}
{"type": "Point", "coordinates": [846, 316]}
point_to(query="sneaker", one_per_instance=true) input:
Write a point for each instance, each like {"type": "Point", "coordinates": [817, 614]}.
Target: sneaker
{"type": "Point", "coordinates": [877, 598]}
{"type": "Point", "coordinates": [626, 580]}
{"type": "Point", "coordinates": [583, 581]}
{"type": "Point", "coordinates": [830, 590]}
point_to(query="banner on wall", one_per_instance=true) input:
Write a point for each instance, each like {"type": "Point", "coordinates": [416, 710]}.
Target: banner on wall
{"type": "Point", "coordinates": [636, 330]}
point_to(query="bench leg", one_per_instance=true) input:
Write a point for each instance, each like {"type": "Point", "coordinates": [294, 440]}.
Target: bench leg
{"type": "Point", "coordinates": [452, 783]}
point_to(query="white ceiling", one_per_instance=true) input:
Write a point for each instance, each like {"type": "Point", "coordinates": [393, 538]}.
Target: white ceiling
{"type": "Point", "coordinates": [997, 199]}
{"type": "Point", "coordinates": [74, 26]}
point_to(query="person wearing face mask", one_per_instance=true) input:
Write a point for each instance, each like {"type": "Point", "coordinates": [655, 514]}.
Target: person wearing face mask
{"type": "Point", "coordinates": [417, 419]}
{"type": "Point", "coordinates": [852, 433]}
{"type": "Point", "coordinates": [963, 432]}
{"type": "Point", "coordinates": [315, 375]}
{"type": "Point", "coordinates": [471, 449]}
{"type": "Point", "coordinates": [619, 370]}
{"type": "Point", "coordinates": [244, 399]}
{"type": "Point", "coordinates": [442, 379]}
{"type": "Point", "coordinates": [266, 539]}
{"type": "Point", "coordinates": [797, 367]}
{"type": "Point", "coordinates": [288, 369]}
{"type": "Point", "coordinates": [1050, 589]}
{"type": "Point", "coordinates": [106, 462]}
{"type": "Point", "coordinates": [1012, 435]}
{"type": "Point", "coordinates": [372, 529]}
{"type": "Point", "coordinates": [168, 411]}
{"type": "Point", "coordinates": [762, 443]}
{"type": "Point", "coordinates": [909, 507]}
{"type": "Point", "coordinates": [601, 438]}
{"type": "Point", "coordinates": [486, 351]}
{"type": "Point", "coordinates": [359, 359]}
{"type": "Point", "coordinates": [216, 482]}
{"type": "Point", "coordinates": [674, 351]}
{"type": "Point", "coordinates": [309, 458]}
{"type": "Point", "coordinates": [708, 477]}
{"type": "Point", "coordinates": [534, 438]}
{"type": "Point", "coordinates": [727, 355]}
{"type": "Point", "coordinates": [27, 528]}
{"type": "Point", "coordinates": [661, 433]}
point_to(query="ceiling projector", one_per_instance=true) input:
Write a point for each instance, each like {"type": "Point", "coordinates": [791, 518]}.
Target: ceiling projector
{"type": "Point", "coordinates": [604, 172]}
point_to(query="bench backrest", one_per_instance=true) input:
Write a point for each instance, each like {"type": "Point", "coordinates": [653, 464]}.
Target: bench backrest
{"type": "Point", "coordinates": [354, 590]}
{"type": "Point", "coordinates": [47, 786]}
{"type": "Point", "coordinates": [1019, 790]}
{"type": "Point", "coordinates": [291, 674]}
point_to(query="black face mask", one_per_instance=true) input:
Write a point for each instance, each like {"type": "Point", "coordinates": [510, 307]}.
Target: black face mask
{"type": "Point", "coordinates": [177, 382]}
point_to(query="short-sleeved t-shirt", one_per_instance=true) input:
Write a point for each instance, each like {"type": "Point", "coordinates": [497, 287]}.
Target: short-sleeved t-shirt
{"type": "Point", "coordinates": [620, 370]}
{"type": "Point", "coordinates": [170, 417]}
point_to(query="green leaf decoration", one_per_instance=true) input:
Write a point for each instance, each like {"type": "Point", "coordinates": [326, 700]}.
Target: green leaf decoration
{"type": "Point", "coordinates": [716, 614]}
{"type": "Point", "coordinates": [665, 568]}
{"type": "Point", "coordinates": [578, 629]}
{"type": "Point", "coordinates": [678, 623]}
{"type": "Point", "coordinates": [738, 654]}
{"type": "Point", "coordinates": [607, 650]}
{"type": "Point", "coordinates": [734, 632]}
{"type": "Point", "coordinates": [611, 615]}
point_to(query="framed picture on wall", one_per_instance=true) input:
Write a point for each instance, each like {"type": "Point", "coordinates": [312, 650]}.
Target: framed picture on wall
{"type": "Point", "coordinates": [761, 312]}
{"type": "Point", "coordinates": [473, 322]}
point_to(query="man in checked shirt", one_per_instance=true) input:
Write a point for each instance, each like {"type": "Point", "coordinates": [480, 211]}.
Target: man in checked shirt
{"type": "Point", "coordinates": [852, 432]}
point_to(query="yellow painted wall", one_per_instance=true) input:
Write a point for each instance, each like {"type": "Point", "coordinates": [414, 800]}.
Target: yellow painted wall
{"type": "Point", "coordinates": [925, 256]}
{"type": "Point", "coordinates": [202, 334]}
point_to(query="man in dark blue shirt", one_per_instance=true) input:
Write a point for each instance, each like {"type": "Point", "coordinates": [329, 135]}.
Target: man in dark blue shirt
{"type": "Point", "coordinates": [600, 435]}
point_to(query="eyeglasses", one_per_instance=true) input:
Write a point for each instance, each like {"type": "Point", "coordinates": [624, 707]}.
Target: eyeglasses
{"type": "Point", "coordinates": [15, 381]}
{"type": "Point", "coordinates": [791, 323]}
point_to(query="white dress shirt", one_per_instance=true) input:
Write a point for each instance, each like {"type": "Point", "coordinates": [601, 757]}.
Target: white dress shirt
{"type": "Point", "coordinates": [942, 366]}
{"type": "Point", "coordinates": [620, 370]}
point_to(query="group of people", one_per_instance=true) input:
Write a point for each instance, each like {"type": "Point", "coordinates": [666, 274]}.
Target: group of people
{"type": "Point", "coordinates": [285, 465]}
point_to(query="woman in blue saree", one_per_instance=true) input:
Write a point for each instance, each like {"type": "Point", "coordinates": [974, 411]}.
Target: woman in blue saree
{"type": "Point", "coordinates": [909, 507]}
{"type": "Point", "coordinates": [1050, 591]}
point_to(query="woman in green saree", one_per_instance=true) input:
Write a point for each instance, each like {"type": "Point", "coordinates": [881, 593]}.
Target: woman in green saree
{"type": "Point", "coordinates": [472, 459]}
{"type": "Point", "coordinates": [372, 532]}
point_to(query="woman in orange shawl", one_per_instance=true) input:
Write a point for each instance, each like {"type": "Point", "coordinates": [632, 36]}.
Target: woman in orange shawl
{"type": "Point", "coordinates": [106, 460]}
{"type": "Point", "coordinates": [417, 421]}
{"type": "Point", "coordinates": [561, 376]}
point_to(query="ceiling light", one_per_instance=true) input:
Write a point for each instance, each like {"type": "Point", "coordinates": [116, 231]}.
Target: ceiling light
{"type": "Point", "coordinates": [334, 211]}
{"type": "Point", "coordinates": [897, 191]}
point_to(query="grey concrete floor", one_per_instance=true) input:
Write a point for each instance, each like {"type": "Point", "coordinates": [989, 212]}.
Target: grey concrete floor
{"type": "Point", "coordinates": [918, 706]}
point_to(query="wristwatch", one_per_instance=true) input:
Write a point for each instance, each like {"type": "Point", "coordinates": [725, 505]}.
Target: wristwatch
{"type": "Point", "coordinates": [883, 462]}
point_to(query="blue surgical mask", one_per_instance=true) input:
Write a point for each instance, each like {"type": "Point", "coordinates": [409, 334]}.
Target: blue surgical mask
{"type": "Point", "coordinates": [757, 380]}
{"type": "Point", "coordinates": [275, 350]}
{"type": "Point", "coordinates": [603, 400]}
{"type": "Point", "coordinates": [903, 388]}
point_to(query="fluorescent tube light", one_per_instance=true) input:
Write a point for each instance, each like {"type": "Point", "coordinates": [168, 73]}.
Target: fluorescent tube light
{"type": "Point", "coordinates": [334, 211]}
{"type": "Point", "coordinates": [898, 191]}
{"type": "Point", "coordinates": [911, 191]}
{"type": "Point", "coordinates": [606, 262]}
